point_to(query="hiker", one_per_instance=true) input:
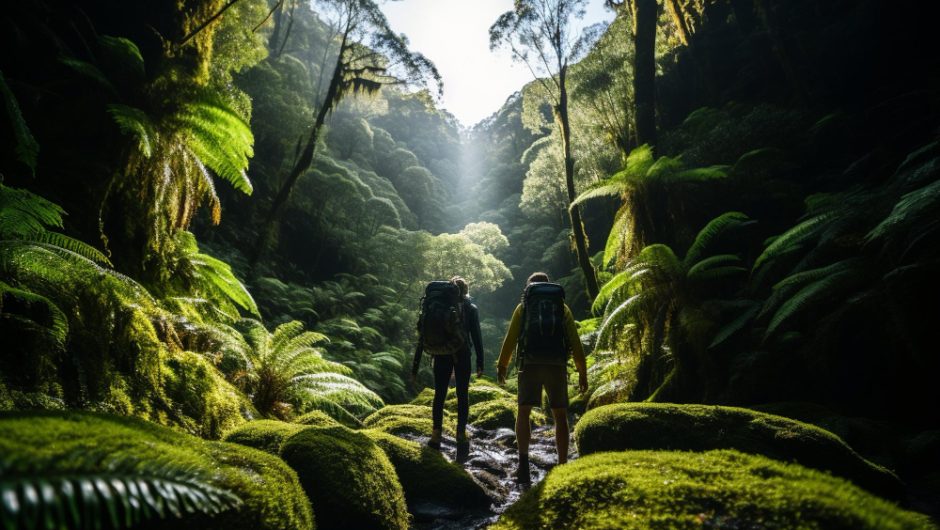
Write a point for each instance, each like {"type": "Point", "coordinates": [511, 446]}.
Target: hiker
{"type": "Point", "coordinates": [542, 332]}
{"type": "Point", "coordinates": [449, 322]}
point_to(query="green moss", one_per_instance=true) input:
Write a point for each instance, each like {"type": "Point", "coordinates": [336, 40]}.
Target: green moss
{"type": "Point", "coordinates": [350, 481]}
{"type": "Point", "coordinates": [479, 391]}
{"type": "Point", "coordinates": [74, 443]}
{"type": "Point", "coordinates": [408, 419]}
{"type": "Point", "coordinates": [424, 398]}
{"type": "Point", "coordinates": [316, 418]}
{"type": "Point", "coordinates": [714, 489]}
{"type": "Point", "coordinates": [427, 477]}
{"type": "Point", "coordinates": [266, 435]}
{"type": "Point", "coordinates": [703, 427]}
{"type": "Point", "coordinates": [500, 413]}
{"type": "Point", "coordinates": [209, 405]}
{"type": "Point", "coordinates": [334, 410]}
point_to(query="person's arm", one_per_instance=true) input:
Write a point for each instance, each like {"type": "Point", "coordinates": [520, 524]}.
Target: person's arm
{"type": "Point", "coordinates": [509, 343]}
{"type": "Point", "coordinates": [417, 361]}
{"type": "Point", "coordinates": [577, 350]}
{"type": "Point", "coordinates": [476, 336]}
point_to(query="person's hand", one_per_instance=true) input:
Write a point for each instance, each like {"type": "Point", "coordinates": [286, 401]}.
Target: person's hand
{"type": "Point", "coordinates": [501, 375]}
{"type": "Point", "coordinates": [582, 383]}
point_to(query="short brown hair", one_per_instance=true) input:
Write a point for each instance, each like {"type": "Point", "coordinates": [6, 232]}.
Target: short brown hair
{"type": "Point", "coordinates": [537, 277]}
{"type": "Point", "coordinates": [462, 284]}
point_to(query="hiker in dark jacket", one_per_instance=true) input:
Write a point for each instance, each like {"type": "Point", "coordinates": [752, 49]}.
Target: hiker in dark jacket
{"type": "Point", "coordinates": [459, 365]}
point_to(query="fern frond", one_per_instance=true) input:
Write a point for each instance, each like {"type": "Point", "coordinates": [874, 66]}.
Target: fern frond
{"type": "Point", "coordinates": [124, 53]}
{"type": "Point", "coordinates": [56, 322]}
{"type": "Point", "coordinates": [221, 140]}
{"type": "Point", "coordinates": [24, 214]}
{"type": "Point", "coordinates": [702, 174]}
{"type": "Point", "coordinates": [25, 146]}
{"type": "Point", "coordinates": [601, 189]}
{"type": "Point", "coordinates": [74, 245]}
{"type": "Point", "coordinates": [113, 499]}
{"type": "Point", "coordinates": [136, 124]}
{"type": "Point", "coordinates": [618, 237]}
{"type": "Point", "coordinates": [822, 289]}
{"type": "Point", "coordinates": [342, 390]}
{"type": "Point", "coordinates": [664, 166]}
{"type": "Point", "coordinates": [89, 71]}
{"type": "Point", "coordinates": [739, 322]}
{"type": "Point", "coordinates": [712, 230]}
{"type": "Point", "coordinates": [917, 206]}
{"type": "Point", "coordinates": [639, 161]}
{"type": "Point", "coordinates": [661, 257]}
{"type": "Point", "coordinates": [620, 316]}
{"type": "Point", "coordinates": [793, 238]}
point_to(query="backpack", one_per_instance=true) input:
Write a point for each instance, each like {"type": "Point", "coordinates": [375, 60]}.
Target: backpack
{"type": "Point", "coordinates": [441, 327]}
{"type": "Point", "coordinates": [542, 340]}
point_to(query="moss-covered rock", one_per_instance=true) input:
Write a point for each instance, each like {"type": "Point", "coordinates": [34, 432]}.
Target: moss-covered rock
{"type": "Point", "coordinates": [332, 409]}
{"type": "Point", "coordinates": [408, 419]}
{"type": "Point", "coordinates": [266, 435]}
{"type": "Point", "coordinates": [82, 444]}
{"type": "Point", "coordinates": [210, 405]}
{"type": "Point", "coordinates": [316, 418]}
{"type": "Point", "coordinates": [714, 489]}
{"type": "Point", "coordinates": [480, 390]}
{"type": "Point", "coordinates": [350, 481]}
{"type": "Point", "coordinates": [703, 427]}
{"type": "Point", "coordinates": [427, 477]}
{"type": "Point", "coordinates": [500, 413]}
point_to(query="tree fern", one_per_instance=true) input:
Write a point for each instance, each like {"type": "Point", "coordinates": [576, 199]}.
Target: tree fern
{"type": "Point", "coordinates": [618, 238]}
{"type": "Point", "coordinates": [53, 320]}
{"type": "Point", "coordinates": [125, 496]}
{"type": "Point", "coordinates": [211, 277]}
{"type": "Point", "coordinates": [25, 145]}
{"type": "Point", "coordinates": [136, 124]}
{"type": "Point", "coordinates": [220, 138]}
{"type": "Point", "coordinates": [343, 390]}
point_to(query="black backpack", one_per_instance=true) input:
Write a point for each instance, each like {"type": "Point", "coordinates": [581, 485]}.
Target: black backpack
{"type": "Point", "coordinates": [542, 340]}
{"type": "Point", "coordinates": [441, 327]}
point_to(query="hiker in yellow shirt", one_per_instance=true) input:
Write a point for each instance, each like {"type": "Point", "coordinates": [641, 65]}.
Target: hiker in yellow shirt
{"type": "Point", "coordinates": [543, 333]}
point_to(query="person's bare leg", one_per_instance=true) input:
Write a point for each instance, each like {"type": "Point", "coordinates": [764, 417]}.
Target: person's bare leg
{"type": "Point", "coordinates": [523, 434]}
{"type": "Point", "coordinates": [523, 430]}
{"type": "Point", "coordinates": [561, 433]}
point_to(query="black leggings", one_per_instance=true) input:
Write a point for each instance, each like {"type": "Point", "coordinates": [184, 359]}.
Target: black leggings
{"type": "Point", "coordinates": [443, 366]}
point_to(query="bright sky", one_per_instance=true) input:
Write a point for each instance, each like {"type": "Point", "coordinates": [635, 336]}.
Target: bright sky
{"type": "Point", "coordinates": [454, 34]}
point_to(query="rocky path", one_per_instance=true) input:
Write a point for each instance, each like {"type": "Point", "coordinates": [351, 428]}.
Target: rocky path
{"type": "Point", "coordinates": [491, 459]}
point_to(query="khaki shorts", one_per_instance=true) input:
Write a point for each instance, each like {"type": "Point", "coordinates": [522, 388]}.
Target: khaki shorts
{"type": "Point", "coordinates": [554, 378]}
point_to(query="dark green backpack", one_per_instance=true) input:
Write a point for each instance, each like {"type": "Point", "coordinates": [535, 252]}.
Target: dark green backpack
{"type": "Point", "coordinates": [542, 339]}
{"type": "Point", "coordinates": [441, 324]}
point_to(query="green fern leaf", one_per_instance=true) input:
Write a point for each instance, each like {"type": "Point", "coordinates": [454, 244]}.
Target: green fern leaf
{"type": "Point", "coordinates": [602, 189]}
{"type": "Point", "coordinates": [730, 329]}
{"type": "Point", "coordinates": [701, 174]}
{"type": "Point", "coordinates": [135, 123]}
{"type": "Point", "coordinates": [25, 145]}
{"type": "Point", "coordinates": [915, 207]}
{"type": "Point", "coordinates": [221, 139]}
{"type": "Point", "coordinates": [793, 238]}
{"type": "Point", "coordinates": [712, 230]}
{"type": "Point", "coordinates": [639, 161]}
{"type": "Point", "coordinates": [54, 319]}
{"type": "Point", "coordinates": [124, 53]}
{"type": "Point", "coordinates": [823, 289]}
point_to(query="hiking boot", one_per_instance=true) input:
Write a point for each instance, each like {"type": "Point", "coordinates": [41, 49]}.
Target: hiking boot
{"type": "Point", "coordinates": [522, 472]}
{"type": "Point", "coordinates": [435, 441]}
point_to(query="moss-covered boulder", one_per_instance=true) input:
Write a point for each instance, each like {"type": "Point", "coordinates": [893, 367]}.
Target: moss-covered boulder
{"type": "Point", "coordinates": [332, 409]}
{"type": "Point", "coordinates": [84, 444]}
{"type": "Point", "coordinates": [408, 419]}
{"type": "Point", "coordinates": [480, 390]}
{"type": "Point", "coordinates": [713, 489]}
{"type": "Point", "coordinates": [427, 477]}
{"type": "Point", "coordinates": [317, 418]}
{"type": "Point", "coordinates": [266, 435]}
{"type": "Point", "coordinates": [500, 413]}
{"type": "Point", "coordinates": [350, 481]}
{"type": "Point", "coordinates": [704, 427]}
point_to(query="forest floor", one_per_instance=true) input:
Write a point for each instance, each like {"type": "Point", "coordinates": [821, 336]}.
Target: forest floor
{"type": "Point", "coordinates": [491, 459]}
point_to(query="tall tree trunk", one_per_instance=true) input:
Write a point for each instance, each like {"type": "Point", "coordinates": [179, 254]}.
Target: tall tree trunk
{"type": "Point", "coordinates": [644, 70]}
{"type": "Point", "coordinates": [678, 17]}
{"type": "Point", "coordinates": [303, 162]}
{"type": "Point", "coordinates": [574, 212]}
